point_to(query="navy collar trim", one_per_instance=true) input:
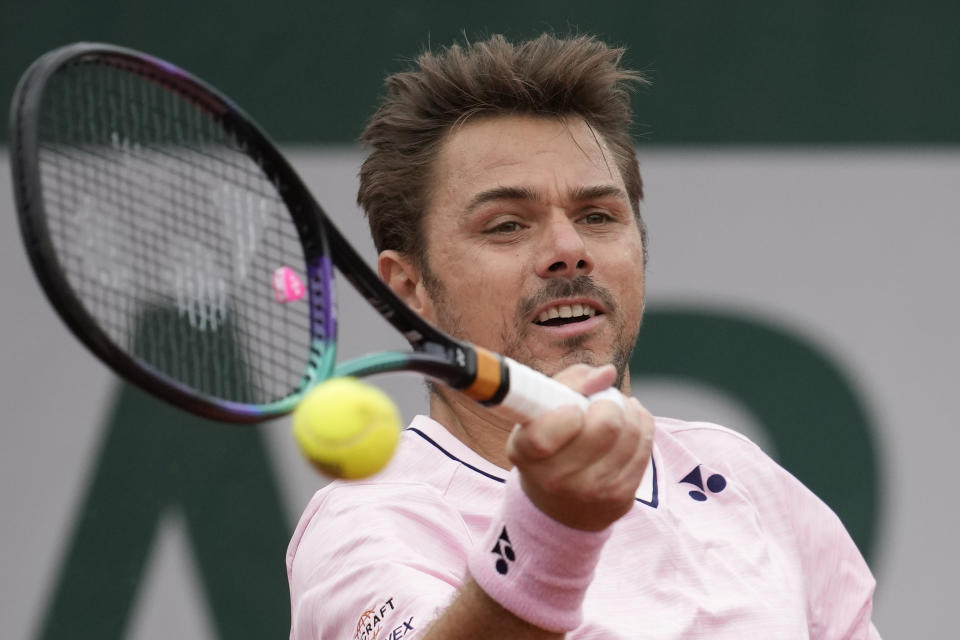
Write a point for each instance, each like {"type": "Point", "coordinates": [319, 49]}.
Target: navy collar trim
{"type": "Point", "coordinates": [653, 502]}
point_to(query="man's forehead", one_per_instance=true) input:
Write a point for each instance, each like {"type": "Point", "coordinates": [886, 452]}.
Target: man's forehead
{"type": "Point", "coordinates": [501, 146]}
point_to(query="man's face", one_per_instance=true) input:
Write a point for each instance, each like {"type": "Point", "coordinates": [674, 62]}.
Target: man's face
{"type": "Point", "coordinates": [529, 220]}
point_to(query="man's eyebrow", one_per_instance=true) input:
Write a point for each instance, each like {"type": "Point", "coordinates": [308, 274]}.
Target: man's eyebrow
{"type": "Point", "coordinates": [501, 193]}
{"type": "Point", "coordinates": [597, 192]}
{"type": "Point", "coordinates": [579, 194]}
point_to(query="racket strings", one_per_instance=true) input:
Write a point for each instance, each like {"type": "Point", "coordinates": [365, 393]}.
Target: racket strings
{"type": "Point", "coordinates": [170, 234]}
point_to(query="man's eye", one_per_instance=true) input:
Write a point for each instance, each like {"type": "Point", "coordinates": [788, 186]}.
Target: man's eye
{"type": "Point", "coordinates": [505, 227]}
{"type": "Point", "coordinates": [597, 217]}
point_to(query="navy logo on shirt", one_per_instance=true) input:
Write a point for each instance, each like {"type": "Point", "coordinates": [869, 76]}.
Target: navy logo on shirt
{"type": "Point", "coordinates": [504, 551]}
{"type": "Point", "coordinates": [715, 484]}
{"type": "Point", "coordinates": [400, 631]}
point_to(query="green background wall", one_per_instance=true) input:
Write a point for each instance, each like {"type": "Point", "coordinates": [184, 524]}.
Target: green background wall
{"type": "Point", "coordinates": [735, 71]}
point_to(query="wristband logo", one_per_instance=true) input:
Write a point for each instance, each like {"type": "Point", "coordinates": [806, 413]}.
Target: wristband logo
{"type": "Point", "coordinates": [504, 550]}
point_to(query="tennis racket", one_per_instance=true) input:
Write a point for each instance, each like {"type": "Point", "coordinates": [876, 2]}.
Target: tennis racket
{"type": "Point", "coordinates": [180, 246]}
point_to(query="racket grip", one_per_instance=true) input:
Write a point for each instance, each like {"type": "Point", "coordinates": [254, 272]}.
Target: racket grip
{"type": "Point", "coordinates": [531, 393]}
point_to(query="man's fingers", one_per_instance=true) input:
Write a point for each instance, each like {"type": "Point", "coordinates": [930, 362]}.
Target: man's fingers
{"type": "Point", "coordinates": [587, 380]}
{"type": "Point", "coordinates": [629, 460]}
{"type": "Point", "coordinates": [591, 480]}
{"type": "Point", "coordinates": [604, 444]}
{"type": "Point", "coordinates": [599, 379]}
{"type": "Point", "coordinates": [543, 437]}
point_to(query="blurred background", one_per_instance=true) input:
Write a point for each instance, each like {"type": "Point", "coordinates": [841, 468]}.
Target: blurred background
{"type": "Point", "coordinates": [802, 170]}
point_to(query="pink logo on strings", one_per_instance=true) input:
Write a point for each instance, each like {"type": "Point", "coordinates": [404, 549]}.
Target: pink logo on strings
{"type": "Point", "coordinates": [287, 286]}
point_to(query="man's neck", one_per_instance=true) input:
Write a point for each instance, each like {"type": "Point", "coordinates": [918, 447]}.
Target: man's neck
{"type": "Point", "coordinates": [481, 429]}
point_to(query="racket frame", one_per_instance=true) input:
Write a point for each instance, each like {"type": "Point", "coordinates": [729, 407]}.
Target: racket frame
{"type": "Point", "coordinates": [435, 353]}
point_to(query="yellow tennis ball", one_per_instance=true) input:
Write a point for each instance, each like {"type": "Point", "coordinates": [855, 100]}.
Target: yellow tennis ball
{"type": "Point", "coordinates": [347, 428]}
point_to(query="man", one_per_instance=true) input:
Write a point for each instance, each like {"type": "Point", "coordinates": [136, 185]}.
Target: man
{"type": "Point", "coordinates": [503, 195]}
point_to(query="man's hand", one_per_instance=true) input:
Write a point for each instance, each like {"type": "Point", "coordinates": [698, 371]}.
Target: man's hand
{"type": "Point", "coordinates": [583, 468]}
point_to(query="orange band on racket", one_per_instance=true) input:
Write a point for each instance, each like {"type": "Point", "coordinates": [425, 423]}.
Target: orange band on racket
{"type": "Point", "coordinates": [487, 382]}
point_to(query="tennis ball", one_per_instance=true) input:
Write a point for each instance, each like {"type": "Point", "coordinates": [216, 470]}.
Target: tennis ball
{"type": "Point", "coordinates": [347, 428]}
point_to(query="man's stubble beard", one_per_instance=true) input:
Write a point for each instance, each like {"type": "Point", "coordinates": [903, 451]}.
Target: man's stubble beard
{"type": "Point", "coordinates": [515, 346]}
{"type": "Point", "coordinates": [574, 353]}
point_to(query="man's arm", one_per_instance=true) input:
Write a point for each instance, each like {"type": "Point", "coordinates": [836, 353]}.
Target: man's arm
{"type": "Point", "coordinates": [383, 559]}
{"type": "Point", "coordinates": [840, 585]}
{"type": "Point", "coordinates": [581, 470]}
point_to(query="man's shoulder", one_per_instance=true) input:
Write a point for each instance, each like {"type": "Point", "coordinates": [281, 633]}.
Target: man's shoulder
{"type": "Point", "coordinates": [416, 471]}
{"type": "Point", "coordinates": [683, 445]}
{"type": "Point", "coordinates": [704, 434]}
{"type": "Point", "coordinates": [422, 471]}
{"type": "Point", "coordinates": [404, 497]}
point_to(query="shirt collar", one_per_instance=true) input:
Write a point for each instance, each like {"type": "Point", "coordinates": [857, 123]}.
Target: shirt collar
{"type": "Point", "coordinates": [456, 449]}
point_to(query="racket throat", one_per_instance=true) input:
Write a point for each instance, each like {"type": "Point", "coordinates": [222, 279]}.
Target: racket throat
{"type": "Point", "coordinates": [491, 378]}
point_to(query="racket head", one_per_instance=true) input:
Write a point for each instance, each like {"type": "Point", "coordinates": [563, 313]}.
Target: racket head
{"type": "Point", "coordinates": [170, 234]}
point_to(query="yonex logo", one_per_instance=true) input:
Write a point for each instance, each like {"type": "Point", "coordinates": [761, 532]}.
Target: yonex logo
{"type": "Point", "coordinates": [715, 484]}
{"type": "Point", "coordinates": [504, 550]}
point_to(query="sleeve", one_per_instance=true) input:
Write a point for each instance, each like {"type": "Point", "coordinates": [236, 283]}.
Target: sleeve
{"type": "Point", "coordinates": [836, 579]}
{"type": "Point", "coordinates": [360, 568]}
{"type": "Point", "coordinates": [839, 584]}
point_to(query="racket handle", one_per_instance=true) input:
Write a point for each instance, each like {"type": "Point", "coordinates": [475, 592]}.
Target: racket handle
{"type": "Point", "coordinates": [531, 393]}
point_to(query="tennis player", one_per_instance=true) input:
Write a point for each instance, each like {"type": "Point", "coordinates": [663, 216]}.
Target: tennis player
{"type": "Point", "coordinates": [503, 195]}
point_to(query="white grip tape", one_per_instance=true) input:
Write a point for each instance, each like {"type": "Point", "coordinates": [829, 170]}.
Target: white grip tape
{"type": "Point", "coordinates": [532, 394]}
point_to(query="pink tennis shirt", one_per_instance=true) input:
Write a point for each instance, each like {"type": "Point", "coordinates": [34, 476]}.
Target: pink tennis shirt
{"type": "Point", "coordinates": [721, 543]}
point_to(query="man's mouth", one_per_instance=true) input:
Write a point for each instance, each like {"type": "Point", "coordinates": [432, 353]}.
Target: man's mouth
{"type": "Point", "coordinates": [562, 314]}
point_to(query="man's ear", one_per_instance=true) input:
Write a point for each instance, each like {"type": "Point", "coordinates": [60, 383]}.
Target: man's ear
{"type": "Point", "coordinates": [404, 278]}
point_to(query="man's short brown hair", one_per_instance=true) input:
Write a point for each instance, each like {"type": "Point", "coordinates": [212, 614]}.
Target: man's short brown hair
{"type": "Point", "coordinates": [548, 76]}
